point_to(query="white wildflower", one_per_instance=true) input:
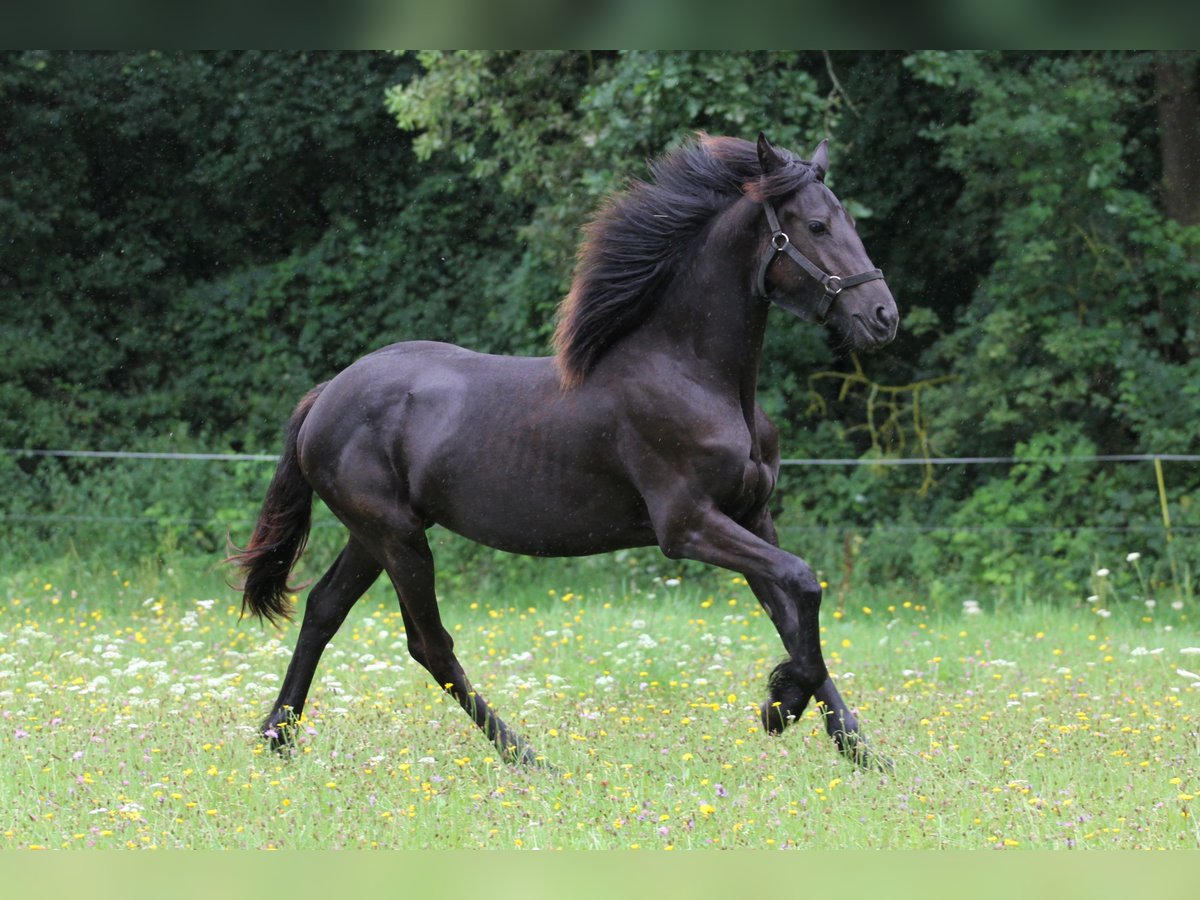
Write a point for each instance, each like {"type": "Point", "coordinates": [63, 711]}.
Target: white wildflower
{"type": "Point", "coordinates": [1133, 557]}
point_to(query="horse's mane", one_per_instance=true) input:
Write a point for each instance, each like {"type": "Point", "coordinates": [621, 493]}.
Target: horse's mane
{"type": "Point", "coordinates": [634, 245]}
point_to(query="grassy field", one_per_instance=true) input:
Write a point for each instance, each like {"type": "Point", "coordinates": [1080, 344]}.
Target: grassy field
{"type": "Point", "coordinates": [130, 702]}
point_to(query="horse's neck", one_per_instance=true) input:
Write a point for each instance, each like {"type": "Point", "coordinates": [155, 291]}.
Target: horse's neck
{"type": "Point", "coordinates": [708, 317]}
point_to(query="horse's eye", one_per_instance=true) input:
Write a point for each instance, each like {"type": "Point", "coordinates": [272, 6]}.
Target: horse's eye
{"type": "Point", "coordinates": [816, 227]}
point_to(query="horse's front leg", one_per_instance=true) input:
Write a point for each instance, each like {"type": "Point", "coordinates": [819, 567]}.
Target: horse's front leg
{"type": "Point", "coordinates": [789, 691]}
{"type": "Point", "coordinates": [784, 584]}
{"type": "Point", "coordinates": [789, 687]}
{"type": "Point", "coordinates": [790, 592]}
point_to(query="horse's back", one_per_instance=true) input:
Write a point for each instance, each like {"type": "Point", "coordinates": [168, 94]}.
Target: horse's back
{"type": "Point", "coordinates": [405, 400]}
{"type": "Point", "coordinates": [403, 378]}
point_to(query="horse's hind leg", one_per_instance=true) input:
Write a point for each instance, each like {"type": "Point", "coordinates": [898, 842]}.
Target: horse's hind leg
{"type": "Point", "coordinates": [325, 610]}
{"type": "Point", "coordinates": [409, 563]}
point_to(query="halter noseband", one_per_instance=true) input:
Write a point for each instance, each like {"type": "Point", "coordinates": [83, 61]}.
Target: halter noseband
{"type": "Point", "coordinates": [833, 284]}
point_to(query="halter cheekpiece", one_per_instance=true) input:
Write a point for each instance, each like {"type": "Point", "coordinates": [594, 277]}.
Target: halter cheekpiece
{"type": "Point", "coordinates": [833, 284]}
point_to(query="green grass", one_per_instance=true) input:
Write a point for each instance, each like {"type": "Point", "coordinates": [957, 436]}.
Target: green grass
{"type": "Point", "coordinates": [130, 702]}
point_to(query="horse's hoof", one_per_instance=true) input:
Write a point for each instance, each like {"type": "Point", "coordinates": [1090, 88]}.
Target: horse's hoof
{"type": "Point", "coordinates": [523, 756]}
{"type": "Point", "coordinates": [281, 735]}
{"type": "Point", "coordinates": [277, 741]}
{"type": "Point", "coordinates": [854, 747]}
{"type": "Point", "coordinates": [876, 761]}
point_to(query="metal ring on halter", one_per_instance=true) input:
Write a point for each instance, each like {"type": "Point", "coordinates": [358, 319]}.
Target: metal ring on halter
{"type": "Point", "coordinates": [833, 285]}
{"type": "Point", "coordinates": [779, 240]}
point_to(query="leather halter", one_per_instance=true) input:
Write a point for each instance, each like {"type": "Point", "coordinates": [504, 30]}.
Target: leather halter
{"type": "Point", "coordinates": [833, 284]}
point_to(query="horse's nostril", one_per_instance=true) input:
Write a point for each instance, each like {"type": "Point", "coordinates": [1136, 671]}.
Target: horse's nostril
{"type": "Point", "coordinates": [885, 316]}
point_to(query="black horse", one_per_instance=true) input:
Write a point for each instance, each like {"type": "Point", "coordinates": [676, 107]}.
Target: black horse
{"type": "Point", "coordinates": [642, 429]}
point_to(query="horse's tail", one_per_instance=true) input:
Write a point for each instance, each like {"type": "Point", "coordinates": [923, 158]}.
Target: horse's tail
{"type": "Point", "coordinates": [281, 532]}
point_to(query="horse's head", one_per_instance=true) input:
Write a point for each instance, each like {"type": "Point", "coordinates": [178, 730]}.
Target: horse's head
{"type": "Point", "coordinates": [813, 263]}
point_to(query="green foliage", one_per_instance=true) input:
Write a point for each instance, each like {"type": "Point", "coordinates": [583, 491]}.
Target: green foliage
{"type": "Point", "coordinates": [189, 242]}
{"type": "Point", "coordinates": [1079, 338]}
{"type": "Point", "coordinates": [1090, 285]}
{"type": "Point", "coordinates": [130, 178]}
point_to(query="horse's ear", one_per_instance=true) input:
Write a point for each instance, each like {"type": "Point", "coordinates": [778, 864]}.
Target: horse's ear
{"type": "Point", "coordinates": [820, 159]}
{"type": "Point", "coordinates": [768, 156]}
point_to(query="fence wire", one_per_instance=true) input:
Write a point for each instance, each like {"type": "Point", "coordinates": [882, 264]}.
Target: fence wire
{"type": "Point", "coordinates": [793, 461]}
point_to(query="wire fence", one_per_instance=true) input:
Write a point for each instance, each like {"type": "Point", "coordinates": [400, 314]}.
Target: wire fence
{"type": "Point", "coordinates": [792, 462]}
{"type": "Point", "coordinates": [796, 461]}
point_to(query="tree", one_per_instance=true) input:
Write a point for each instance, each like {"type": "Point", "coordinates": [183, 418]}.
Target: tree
{"type": "Point", "coordinates": [1175, 75]}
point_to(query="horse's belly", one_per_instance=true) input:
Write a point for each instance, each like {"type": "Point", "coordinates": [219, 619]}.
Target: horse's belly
{"type": "Point", "coordinates": [533, 528]}
{"type": "Point", "coordinates": [575, 513]}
